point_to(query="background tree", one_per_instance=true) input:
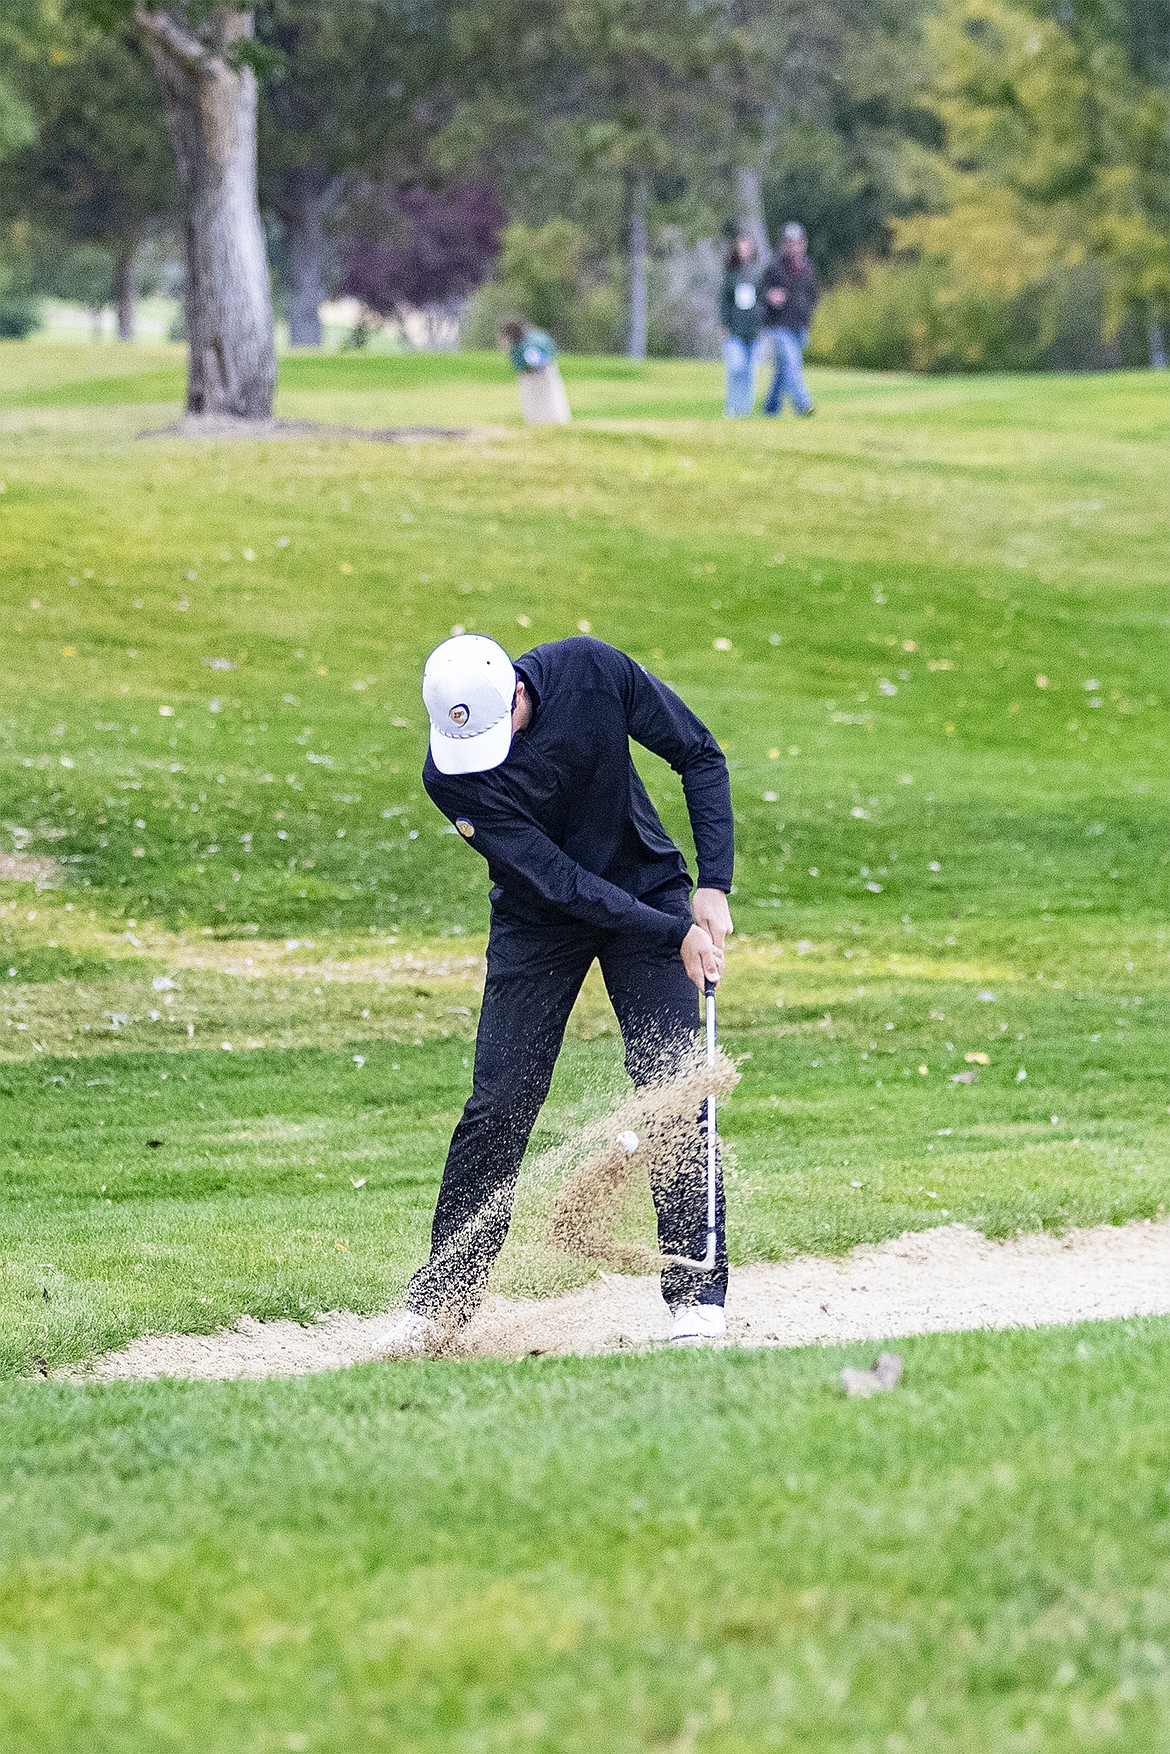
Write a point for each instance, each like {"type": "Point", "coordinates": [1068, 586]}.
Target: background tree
{"type": "Point", "coordinates": [647, 110]}
{"type": "Point", "coordinates": [352, 95]}
{"type": "Point", "coordinates": [204, 68]}
{"type": "Point", "coordinates": [599, 112]}
{"type": "Point", "coordinates": [1054, 152]}
{"type": "Point", "coordinates": [420, 249]}
{"type": "Point", "coordinates": [203, 56]}
{"type": "Point", "coordinates": [21, 27]}
{"type": "Point", "coordinates": [99, 170]}
{"type": "Point", "coordinates": [817, 99]}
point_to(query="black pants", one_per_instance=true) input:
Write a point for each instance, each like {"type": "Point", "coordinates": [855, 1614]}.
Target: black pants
{"type": "Point", "coordinates": [535, 971]}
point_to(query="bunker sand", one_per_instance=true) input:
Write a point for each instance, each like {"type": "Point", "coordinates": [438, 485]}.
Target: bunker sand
{"type": "Point", "coordinates": [649, 1129]}
{"type": "Point", "coordinates": [943, 1280]}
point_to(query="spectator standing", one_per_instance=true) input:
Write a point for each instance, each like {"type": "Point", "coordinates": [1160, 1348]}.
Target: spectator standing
{"type": "Point", "coordinates": [533, 355]}
{"type": "Point", "coordinates": [739, 317]}
{"type": "Point", "coordinates": [789, 294]}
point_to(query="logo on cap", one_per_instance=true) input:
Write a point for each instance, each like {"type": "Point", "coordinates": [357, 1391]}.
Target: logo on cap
{"type": "Point", "coordinates": [458, 715]}
{"type": "Point", "coordinates": [465, 828]}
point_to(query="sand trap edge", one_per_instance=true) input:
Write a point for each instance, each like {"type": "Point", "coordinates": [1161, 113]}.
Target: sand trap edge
{"type": "Point", "coordinates": [945, 1280]}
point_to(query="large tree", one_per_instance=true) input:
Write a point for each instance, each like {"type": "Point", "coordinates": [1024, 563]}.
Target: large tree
{"type": "Point", "coordinates": [646, 109]}
{"type": "Point", "coordinates": [203, 55]}
{"type": "Point", "coordinates": [816, 96]}
{"type": "Point", "coordinates": [599, 111]}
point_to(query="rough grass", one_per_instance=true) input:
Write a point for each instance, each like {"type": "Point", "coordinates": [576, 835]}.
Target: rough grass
{"type": "Point", "coordinates": [237, 1019]}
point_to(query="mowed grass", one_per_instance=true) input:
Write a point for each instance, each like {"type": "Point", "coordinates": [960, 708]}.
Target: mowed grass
{"type": "Point", "coordinates": [251, 980]}
{"type": "Point", "coordinates": [239, 1007]}
{"type": "Point", "coordinates": [700, 1553]}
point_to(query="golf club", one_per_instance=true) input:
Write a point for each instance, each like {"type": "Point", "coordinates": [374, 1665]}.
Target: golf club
{"type": "Point", "coordinates": [707, 1263]}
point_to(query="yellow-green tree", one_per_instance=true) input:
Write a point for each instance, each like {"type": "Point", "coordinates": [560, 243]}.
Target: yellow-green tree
{"type": "Point", "coordinates": [1054, 152]}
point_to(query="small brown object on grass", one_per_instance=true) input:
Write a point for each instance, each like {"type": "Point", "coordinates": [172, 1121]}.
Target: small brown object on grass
{"type": "Point", "coordinates": [884, 1373]}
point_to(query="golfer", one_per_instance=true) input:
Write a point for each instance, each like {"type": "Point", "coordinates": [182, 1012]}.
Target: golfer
{"type": "Point", "coordinates": [533, 355]}
{"type": "Point", "coordinates": [531, 763]}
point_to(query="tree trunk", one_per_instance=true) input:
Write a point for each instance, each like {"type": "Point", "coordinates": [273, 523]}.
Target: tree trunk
{"type": "Point", "coordinates": [210, 105]}
{"type": "Point", "coordinates": [749, 195]}
{"type": "Point", "coordinates": [126, 288]}
{"type": "Point", "coordinates": [639, 270]}
{"type": "Point", "coordinates": [302, 209]}
{"type": "Point", "coordinates": [1156, 342]}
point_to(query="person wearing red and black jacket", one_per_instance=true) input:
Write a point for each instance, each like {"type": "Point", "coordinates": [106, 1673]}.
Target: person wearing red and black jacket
{"type": "Point", "coordinates": [788, 294]}
{"type": "Point", "coordinates": [531, 764]}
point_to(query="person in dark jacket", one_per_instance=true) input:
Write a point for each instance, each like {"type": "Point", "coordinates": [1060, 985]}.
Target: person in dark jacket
{"type": "Point", "coordinates": [739, 318]}
{"type": "Point", "coordinates": [789, 294]}
{"type": "Point", "coordinates": [531, 764]}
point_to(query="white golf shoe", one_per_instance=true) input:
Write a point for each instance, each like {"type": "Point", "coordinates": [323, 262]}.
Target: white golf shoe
{"type": "Point", "coordinates": [698, 1324]}
{"type": "Point", "coordinates": [412, 1336]}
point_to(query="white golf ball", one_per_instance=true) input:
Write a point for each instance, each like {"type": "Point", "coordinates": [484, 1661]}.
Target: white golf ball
{"type": "Point", "coordinates": [628, 1140]}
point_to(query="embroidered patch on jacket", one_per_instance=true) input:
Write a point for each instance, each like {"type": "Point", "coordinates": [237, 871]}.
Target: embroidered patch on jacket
{"type": "Point", "coordinates": [465, 828]}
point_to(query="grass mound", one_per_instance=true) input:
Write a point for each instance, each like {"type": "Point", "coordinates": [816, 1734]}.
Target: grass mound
{"type": "Point", "coordinates": [241, 961]}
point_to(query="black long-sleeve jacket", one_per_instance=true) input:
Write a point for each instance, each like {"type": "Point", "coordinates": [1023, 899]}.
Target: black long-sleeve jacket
{"type": "Point", "coordinates": [801, 291]}
{"type": "Point", "coordinates": [565, 823]}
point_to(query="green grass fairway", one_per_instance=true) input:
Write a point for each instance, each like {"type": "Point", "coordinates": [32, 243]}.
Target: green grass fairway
{"type": "Point", "coordinates": [694, 1553]}
{"type": "Point", "coordinates": [929, 628]}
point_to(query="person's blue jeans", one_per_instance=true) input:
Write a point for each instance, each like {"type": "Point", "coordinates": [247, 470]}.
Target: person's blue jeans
{"type": "Point", "coordinates": [740, 359]}
{"type": "Point", "coordinates": [788, 376]}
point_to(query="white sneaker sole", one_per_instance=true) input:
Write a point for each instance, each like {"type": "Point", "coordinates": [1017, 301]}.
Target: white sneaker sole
{"type": "Point", "coordinates": [701, 1335]}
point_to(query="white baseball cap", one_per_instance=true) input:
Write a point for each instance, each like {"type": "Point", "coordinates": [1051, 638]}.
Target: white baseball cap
{"type": "Point", "coordinates": [468, 687]}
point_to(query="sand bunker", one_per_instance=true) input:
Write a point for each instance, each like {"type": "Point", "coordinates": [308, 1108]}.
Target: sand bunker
{"type": "Point", "coordinates": [923, 1282]}
{"type": "Point", "coordinates": [644, 1134]}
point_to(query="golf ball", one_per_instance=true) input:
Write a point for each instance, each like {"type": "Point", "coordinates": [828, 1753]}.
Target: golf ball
{"type": "Point", "coordinates": [628, 1140]}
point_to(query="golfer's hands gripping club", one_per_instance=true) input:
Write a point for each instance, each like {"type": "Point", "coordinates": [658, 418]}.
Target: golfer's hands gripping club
{"type": "Point", "coordinates": [702, 948]}
{"type": "Point", "coordinates": [701, 960]}
{"type": "Point", "coordinates": [709, 909]}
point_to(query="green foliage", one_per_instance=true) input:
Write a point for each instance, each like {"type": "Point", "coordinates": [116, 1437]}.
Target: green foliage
{"type": "Point", "coordinates": [100, 167]}
{"type": "Point", "coordinates": [347, 88]}
{"type": "Point", "coordinates": [921, 316]}
{"type": "Point", "coordinates": [20, 315]}
{"type": "Point", "coordinates": [1054, 151]}
{"type": "Point", "coordinates": [22, 32]}
{"type": "Point", "coordinates": [544, 277]}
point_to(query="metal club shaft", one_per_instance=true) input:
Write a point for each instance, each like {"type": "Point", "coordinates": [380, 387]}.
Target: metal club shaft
{"type": "Point", "coordinates": [707, 1263]}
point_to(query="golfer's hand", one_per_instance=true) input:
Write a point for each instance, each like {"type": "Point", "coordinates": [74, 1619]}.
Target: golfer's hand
{"type": "Point", "coordinates": [700, 958]}
{"type": "Point", "coordinates": [776, 295]}
{"type": "Point", "coordinates": [709, 909]}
